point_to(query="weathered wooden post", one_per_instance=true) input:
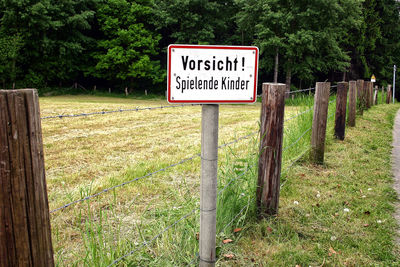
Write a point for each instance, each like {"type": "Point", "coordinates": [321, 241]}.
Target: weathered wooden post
{"type": "Point", "coordinates": [269, 165]}
{"type": "Point", "coordinates": [366, 95]}
{"type": "Point", "coordinates": [340, 116]}
{"type": "Point", "coordinates": [321, 103]}
{"type": "Point", "coordinates": [376, 95]}
{"type": "Point", "coordinates": [360, 97]}
{"type": "Point", "coordinates": [388, 93]}
{"type": "Point", "coordinates": [25, 236]}
{"type": "Point", "coordinates": [371, 94]}
{"type": "Point", "coordinates": [383, 95]}
{"type": "Point", "coordinates": [351, 119]}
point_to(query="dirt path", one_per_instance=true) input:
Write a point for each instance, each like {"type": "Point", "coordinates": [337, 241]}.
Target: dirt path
{"type": "Point", "coordinates": [396, 167]}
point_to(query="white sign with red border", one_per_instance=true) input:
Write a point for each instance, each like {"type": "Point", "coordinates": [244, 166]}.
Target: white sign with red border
{"type": "Point", "coordinates": [212, 74]}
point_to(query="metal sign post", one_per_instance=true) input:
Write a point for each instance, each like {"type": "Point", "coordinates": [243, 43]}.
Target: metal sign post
{"type": "Point", "coordinates": [211, 75]}
{"type": "Point", "coordinates": [394, 81]}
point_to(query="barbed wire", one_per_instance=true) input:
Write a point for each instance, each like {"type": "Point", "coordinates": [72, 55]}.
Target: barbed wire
{"type": "Point", "coordinates": [148, 174]}
{"type": "Point", "coordinates": [302, 90]}
{"type": "Point", "coordinates": [197, 257]}
{"type": "Point", "coordinates": [60, 116]}
{"type": "Point", "coordinates": [180, 219]}
{"type": "Point", "coordinates": [298, 140]}
{"type": "Point", "coordinates": [292, 164]}
{"type": "Point", "coordinates": [299, 114]}
{"type": "Point", "coordinates": [145, 243]}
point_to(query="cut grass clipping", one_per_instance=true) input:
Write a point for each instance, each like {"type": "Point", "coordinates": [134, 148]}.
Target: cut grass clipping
{"type": "Point", "coordinates": [155, 221]}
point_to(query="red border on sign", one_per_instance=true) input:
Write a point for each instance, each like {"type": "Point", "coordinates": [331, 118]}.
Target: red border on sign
{"type": "Point", "coordinates": [170, 47]}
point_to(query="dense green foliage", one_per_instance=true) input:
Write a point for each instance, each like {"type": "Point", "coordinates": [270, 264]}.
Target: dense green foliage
{"type": "Point", "coordinates": [122, 43]}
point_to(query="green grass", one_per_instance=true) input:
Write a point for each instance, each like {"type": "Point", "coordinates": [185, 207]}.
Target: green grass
{"type": "Point", "coordinates": [86, 155]}
{"type": "Point", "coordinates": [338, 214]}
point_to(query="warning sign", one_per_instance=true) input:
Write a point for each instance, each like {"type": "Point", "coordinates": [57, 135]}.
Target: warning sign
{"type": "Point", "coordinates": [212, 74]}
{"type": "Point", "coordinates": [373, 79]}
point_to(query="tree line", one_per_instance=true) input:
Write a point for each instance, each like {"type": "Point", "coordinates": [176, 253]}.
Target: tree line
{"type": "Point", "coordinates": [122, 43]}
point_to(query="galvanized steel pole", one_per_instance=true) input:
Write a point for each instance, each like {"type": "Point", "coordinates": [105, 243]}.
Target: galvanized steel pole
{"type": "Point", "coordinates": [394, 81]}
{"type": "Point", "coordinates": [208, 184]}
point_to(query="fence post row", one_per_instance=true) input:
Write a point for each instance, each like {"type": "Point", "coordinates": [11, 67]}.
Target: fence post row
{"type": "Point", "coordinates": [25, 236]}
{"type": "Point", "coordinates": [208, 184]}
{"type": "Point", "coordinates": [271, 137]}
{"type": "Point", "coordinates": [340, 115]}
{"type": "Point", "coordinates": [360, 97]}
{"type": "Point", "coordinates": [383, 95]}
{"type": "Point", "coordinates": [321, 103]}
{"type": "Point", "coordinates": [351, 119]}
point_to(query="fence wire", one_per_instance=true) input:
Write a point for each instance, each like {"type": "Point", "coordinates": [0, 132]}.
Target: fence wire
{"type": "Point", "coordinates": [298, 140]}
{"type": "Point", "coordinates": [148, 174]}
{"type": "Point", "coordinates": [292, 164]}
{"type": "Point", "coordinates": [145, 243]}
{"type": "Point", "coordinates": [60, 116]}
{"type": "Point", "coordinates": [302, 90]}
{"type": "Point", "coordinates": [299, 114]}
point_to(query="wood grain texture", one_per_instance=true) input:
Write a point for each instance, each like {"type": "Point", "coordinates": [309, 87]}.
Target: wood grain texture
{"type": "Point", "coordinates": [351, 118]}
{"type": "Point", "coordinates": [366, 95]}
{"type": "Point", "coordinates": [321, 103]}
{"type": "Point", "coordinates": [360, 97]}
{"type": "Point", "coordinates": [24, 206]}
{"type": "Point", "coordinates": [340, 115]}
{"type": "Point", "coordinates": [389, 94]}
{"type": "Point", "coordinates": [271, 136]}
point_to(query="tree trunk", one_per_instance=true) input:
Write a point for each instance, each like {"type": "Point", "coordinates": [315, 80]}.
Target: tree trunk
{"type": "Point", "coordinates": [288, 79]}
{"type": "Point", "coordinates": [276, 65]}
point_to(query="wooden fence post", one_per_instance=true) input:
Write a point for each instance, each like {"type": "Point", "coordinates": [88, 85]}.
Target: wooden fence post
{"type": "Point", "coordinates": [376, 95]}
{"type": "Point", "coordinates": [25, 236]}
{"type": "Point", "coordinates": [388, 94]}
{"type": "Point", "coordinates": [366, 95]}
{"type": "Point", "coordinates": [360, 97]}
{"type": "Point", "coordinates": [340, 116]}
{"type": "Point", "coordinates": [383, 95]}
{"type": "Point", "coordinates": [371, 94]}
{"type": "Point", "coordinates": [271, 132]}
{"type": "Point", "coordinates": [351, 119]}
{"type": "Point", "coordinates": [321, 103]}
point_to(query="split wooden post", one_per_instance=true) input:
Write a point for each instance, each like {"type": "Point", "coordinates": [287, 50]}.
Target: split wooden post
{"type": "Point", "coordinates": [25, 236]}
{"type": "Point", "coordinates": [351, 119]}
{"type": "Point", "coordinates": [269, 165]}
{"type": "Point", "coordinates": [388, 93]}
{"type": "Point", "coordinates": [340, 116]}
{"type": "Point", "coordinates": [321, 103]}
{"type": "Point", "coordinates": [360, 97]}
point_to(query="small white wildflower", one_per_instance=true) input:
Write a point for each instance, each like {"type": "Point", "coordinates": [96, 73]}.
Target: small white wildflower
{"type": "Point", "coordinates": [62, 182]}
{"type": "Point", "coordinates": [369, 189]}
{"type": "Point", "coordinates": [242, 194]}
{"type": "Point", "coordinates": [318, 195]}
{"type": "Point", "coordinates": [346, 210]}
{"type": "Point", "coordinates": [379, 221]}
{"type": "Point", "coordinates": [296, 202]}
{"type": "Point", "coordinates": [364, 196]}
{"type": "Point", "coordinates": [333, 238]}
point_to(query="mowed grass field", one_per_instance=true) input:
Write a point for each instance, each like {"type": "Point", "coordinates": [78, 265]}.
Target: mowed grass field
{"type": "Point", "coordinates": [84, 155]}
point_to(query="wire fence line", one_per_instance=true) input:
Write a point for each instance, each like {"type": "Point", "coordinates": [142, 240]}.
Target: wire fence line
{"type": "Point", "coordinates": [149, 174]}
{"type": "Point", "coordinates": [298, 140]}
{"type": "Point", "coordinates": [60, 116]}
{"type": "Point", "coordinates": [145, 243]}
{"type": "Point", "coordinates": [302, 90]}
{"type": "Point", "coordinates": [299, 114]}
{"type": "Point", "coordinates": [292, 164]}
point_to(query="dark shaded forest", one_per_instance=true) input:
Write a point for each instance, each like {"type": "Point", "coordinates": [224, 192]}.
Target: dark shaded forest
{"type": "Point", "coordinates": [122, 43]}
